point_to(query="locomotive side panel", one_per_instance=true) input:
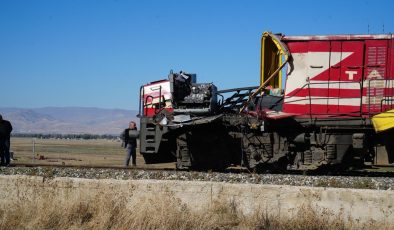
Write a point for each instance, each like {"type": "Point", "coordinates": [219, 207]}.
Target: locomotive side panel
{"type": "Point", "coordinates": [378, 90]}
{"type": "Point", "coordinates": [325, 79]}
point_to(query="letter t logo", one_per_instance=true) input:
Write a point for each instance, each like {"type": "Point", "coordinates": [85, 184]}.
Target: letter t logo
{"type": "Point", "coordinates": [350, 74]}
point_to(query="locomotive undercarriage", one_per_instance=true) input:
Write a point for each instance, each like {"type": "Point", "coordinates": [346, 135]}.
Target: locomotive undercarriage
{"type": "Point", "coordinates": [235, 139]}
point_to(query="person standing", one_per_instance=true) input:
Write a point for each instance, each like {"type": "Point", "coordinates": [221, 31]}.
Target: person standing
{"type": "Point", "coordinates": [129, 137]}
{"type": "Point", "coordinates": [5, 141]}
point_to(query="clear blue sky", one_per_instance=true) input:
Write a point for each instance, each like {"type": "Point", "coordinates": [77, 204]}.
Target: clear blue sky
{"type": "Point", "coordinates": [98, 53]}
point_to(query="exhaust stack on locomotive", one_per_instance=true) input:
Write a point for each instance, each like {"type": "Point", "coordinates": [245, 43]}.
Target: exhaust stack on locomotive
{"type": "Point", "coordinates": [323, 101]}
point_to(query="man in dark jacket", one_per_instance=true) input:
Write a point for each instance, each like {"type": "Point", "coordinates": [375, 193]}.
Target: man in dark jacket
{"type": "Point", "coordinates": [5, 134]}
{"type": "Point", "coordinates": [129, 137]}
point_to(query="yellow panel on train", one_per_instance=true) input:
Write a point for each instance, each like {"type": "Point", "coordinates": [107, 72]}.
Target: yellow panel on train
{"type": "Point", "coordinates": [383, 121]}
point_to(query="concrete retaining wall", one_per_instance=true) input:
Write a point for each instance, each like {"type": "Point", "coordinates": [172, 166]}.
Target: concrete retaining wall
{"type": "Point", "coordinates": [357, 204]}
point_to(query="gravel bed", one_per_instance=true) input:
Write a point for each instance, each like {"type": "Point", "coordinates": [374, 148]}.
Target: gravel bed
{"type": "Point", "coordinates": [379, 183]}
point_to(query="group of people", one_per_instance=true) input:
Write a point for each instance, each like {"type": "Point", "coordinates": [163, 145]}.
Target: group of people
{"type": "Point", "coordinates": [5, 134]}
{"type": "Point", "coordinates": [129, 137]}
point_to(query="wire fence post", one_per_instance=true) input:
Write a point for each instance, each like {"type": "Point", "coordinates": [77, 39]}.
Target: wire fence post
{"type": "Point", "coordinates": [34, 149]}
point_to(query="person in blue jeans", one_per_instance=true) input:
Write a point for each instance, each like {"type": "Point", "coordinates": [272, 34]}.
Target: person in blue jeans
{"type": "Point", "coordinates": [129, 137]}
{"type": "Point", "coordinates": [5, 135]}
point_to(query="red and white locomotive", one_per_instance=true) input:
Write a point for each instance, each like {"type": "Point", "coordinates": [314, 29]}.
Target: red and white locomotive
{"type": "Point", "coordinates": [323, 102]}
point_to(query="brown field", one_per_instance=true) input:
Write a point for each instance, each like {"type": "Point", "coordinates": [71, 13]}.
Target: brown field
{"type": "Point", "coordinates": [106, 153]}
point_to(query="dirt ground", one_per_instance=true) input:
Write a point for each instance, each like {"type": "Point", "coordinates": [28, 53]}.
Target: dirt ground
{"type": "Point", "coordinates": [106, 153]}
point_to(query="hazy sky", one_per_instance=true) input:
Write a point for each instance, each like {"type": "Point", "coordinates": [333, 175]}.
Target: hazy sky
{"type": "Point", "coordinates": [99, 53]}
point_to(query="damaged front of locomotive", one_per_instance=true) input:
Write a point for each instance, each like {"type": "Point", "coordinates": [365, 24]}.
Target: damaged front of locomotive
{"type": "Point", "coordinates": [179, 121]}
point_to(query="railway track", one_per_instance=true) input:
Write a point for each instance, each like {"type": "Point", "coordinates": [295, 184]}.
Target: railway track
{"type": "Point", "coordinates": [360, 179]}
{"type": "Point", "coordinates": [114, 167]}
{"type": "Point", "coordinates": [370, 171]}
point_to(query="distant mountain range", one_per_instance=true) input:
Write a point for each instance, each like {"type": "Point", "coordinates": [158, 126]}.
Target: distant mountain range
{"type": "Point", "coordinates": [68, 120]}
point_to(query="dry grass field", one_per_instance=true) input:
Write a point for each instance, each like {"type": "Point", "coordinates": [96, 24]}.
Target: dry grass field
{"type": "Point", "coordinates": [72, 152]}
{"type": "Point", "coordinates": [158, 211]}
